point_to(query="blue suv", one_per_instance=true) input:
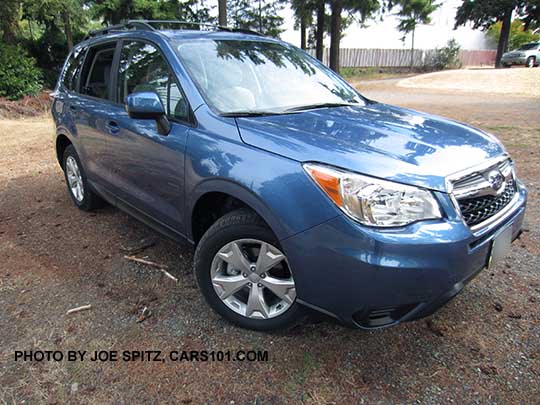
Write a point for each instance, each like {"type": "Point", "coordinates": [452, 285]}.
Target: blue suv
{"type": "Point", "coordinates": [296, 190]}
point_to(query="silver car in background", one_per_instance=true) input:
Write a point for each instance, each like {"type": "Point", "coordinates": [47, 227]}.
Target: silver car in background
{"type": "Point", "coordinates": [528, 55]}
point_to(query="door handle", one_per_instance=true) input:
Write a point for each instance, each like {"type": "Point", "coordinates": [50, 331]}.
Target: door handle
{"type": "Point", "coordinates": [112, 126]}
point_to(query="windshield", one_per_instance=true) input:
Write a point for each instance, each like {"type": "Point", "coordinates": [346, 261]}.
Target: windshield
{"type": "Point", "coordinates": [527, 47]}
{"type": "Point", "coordinates": [256, 76]}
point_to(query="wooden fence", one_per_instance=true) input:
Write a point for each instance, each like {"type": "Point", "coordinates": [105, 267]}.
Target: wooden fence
{"type": "Point", "coordinates": [477, 58]}
{"type": "Point", "coordinates": [355, 57]}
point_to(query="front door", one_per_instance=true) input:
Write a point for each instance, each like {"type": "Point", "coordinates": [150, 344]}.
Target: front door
{"type": "Point", "coordinates": [148, 168]}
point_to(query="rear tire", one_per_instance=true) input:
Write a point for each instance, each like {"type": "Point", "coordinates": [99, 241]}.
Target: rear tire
{"type": "Point", "coordinates": [77, 184]}
{"type": "Point", "coordinates": [531, 61]}
{"type": "Point", "coordinates": [235, 249]}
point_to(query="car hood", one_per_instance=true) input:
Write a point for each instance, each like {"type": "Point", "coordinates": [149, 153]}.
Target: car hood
{"type": "Point", "coordinates": [377, 139]}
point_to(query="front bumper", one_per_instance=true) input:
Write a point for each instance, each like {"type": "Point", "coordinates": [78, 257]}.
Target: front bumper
{"type": "Point", "coordinates": [516, 60]}
{"type": "Point", "coordinates": [371, 278]}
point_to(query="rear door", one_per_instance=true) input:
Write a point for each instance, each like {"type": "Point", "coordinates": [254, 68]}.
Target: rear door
{"type": "Point", "coordinates": [148, 168]}
{"type": "Point", "coordinates": [91, 109]}
{"type": "Point", "coordinates": [65, 93]}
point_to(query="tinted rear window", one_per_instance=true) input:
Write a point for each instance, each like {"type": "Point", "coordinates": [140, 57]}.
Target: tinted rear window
{"type": "Point", "coordinates": [96, 74]}
{"type": "Point", "coordinates": [73, 67]}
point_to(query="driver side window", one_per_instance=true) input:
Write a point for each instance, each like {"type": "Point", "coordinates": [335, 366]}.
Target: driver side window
{"type": "Point", "coordinates": [143, 68]}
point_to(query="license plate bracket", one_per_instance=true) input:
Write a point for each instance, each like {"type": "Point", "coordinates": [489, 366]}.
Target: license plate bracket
{"type": "Point", "coordinates": [500, 247]}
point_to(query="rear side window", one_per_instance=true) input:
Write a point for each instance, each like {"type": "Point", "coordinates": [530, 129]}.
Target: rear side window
{"type": "Point", "coordinates": [143, 68]}
{"type": "Point", "coordinates": [73, 68]}
{"type": "Point", "coordinates": [96, 74]}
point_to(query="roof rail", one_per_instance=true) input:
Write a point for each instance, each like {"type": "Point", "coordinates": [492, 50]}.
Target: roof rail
{"type": "Point", "coordinates": [155, 25]}
{"type": "Point", "coordinates": [201, 25]}
{"type": "Point", "coordinates": [126, 26]}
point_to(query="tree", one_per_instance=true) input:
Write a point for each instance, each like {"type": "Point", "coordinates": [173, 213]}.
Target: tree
{"type": "Point", "coordinates": [115, 11]}
{"type": "Point", "coordinates": [485, 13]}
{"type": "Point", "coordinates": [222, 12]}
{"type": "Point", "coordinates": [18, 74]}
{"type": "Point", "coordinates": [61, 14]}
{"type": "Point", "coordinates": [303, 14]}
{"type": "Point", "coordinates": [531, 15]}
{"type": "Point", "coordinates": [320, 21]}
{"type": "Point", "coordinates": [335, 34]}
{"type": "Point", "coordinates": [261, 15]}
{"type": "Point", "coordinates": [411, 14]}
{"type": "Point", "coordinates": [9, 18]}
{"type": "Point", "coordinates": [518, 34]}
{"type": "Point", "coordinates": [53, 28]}
{"type": "Point", "coordinates": [359, 10]}
{"type": "Point", "coordinates": [319, 33]}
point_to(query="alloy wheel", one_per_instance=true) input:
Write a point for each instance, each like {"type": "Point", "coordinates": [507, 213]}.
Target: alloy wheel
{"type": "Point", "coordinates": [252, 278]}
{"type": "Point", "coordinates": [75, 180]}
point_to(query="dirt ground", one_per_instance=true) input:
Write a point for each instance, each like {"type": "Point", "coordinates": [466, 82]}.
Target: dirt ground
{"type": "Point", "coordinates": [483, 347]}
{"type": "Point", "coordinates": [515, 81]}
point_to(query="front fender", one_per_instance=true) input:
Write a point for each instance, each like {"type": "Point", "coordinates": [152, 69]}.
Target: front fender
{"type": "Point", "coordinates": [277, 188]}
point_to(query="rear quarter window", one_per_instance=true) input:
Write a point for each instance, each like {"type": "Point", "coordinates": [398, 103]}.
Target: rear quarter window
{"type": "Point", "coordinates": [72, 69]}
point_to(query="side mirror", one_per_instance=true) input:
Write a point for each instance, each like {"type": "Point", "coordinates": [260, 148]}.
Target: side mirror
{"type": "Point", "coordinates": [146, 105]}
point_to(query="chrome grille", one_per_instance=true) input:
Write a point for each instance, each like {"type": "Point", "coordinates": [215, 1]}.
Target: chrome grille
{"type": "Point", "coordinates": [480, 196]}
{"type": "Point", "coordinates": [477, 210]}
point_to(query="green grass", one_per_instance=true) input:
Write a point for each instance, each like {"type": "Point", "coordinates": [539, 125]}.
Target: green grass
{"type": "Point", "coordinates": [372, 73]}
{"type": "Point", "coordinates": [308, 364]}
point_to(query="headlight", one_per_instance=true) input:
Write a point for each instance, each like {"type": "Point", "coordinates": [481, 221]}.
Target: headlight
{"type": "Point", "coordinates": [372, 201]}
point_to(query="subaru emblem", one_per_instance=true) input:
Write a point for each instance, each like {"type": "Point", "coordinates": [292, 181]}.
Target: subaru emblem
{"type": "Point", "coordinates": [496, 180]}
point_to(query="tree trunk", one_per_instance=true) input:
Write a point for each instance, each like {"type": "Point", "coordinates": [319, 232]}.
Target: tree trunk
{"type": "Point", "coordinates": [9, 11]}
{"type": "Point", "coordinates": [31, 29]}
{"type": "Point", "coordinates": [303, 28]}
{"type": "Point", "coordinates": [260, 18]}
{"type": "Point", "coordinates": [8, 28]}
{"type": "Point", "coordinates": [335, 34]}
{"type": "Point", "coordinates": [503, 38]}
{"type": "Point", "coordinates": [222, 10]}
{"type": "Point", "coordinates": [412, 49]}
{"type": "Point", "coordinates": [8, 36]}
{"type": "Point", "coordinates": [67, 27]}
{"type": "Point", "coordinates": [319, 36]}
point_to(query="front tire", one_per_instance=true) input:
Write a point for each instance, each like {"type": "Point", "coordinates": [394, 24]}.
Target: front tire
{"type": "Point", "coordinates": [77, 183]}
{"type": "Point", "coordinates": [243, 274]}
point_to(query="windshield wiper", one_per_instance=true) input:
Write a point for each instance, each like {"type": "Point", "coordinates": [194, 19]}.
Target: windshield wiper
{"type": "Point", "coordinates": [319, 105]}
{"type": "Point", "coordinates": [260, 113]}
{"type": "Point", "coordinates": [249, 113]}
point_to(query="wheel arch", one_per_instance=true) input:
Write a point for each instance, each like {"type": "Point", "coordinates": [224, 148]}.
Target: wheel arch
{"type": "Point", "coordinates": [62, 141]}
{"type": "Point", "coordinates": [215, 198]}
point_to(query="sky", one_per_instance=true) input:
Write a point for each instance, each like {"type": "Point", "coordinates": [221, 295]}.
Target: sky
{"type": "Point", "coordinates": [383, 34]}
